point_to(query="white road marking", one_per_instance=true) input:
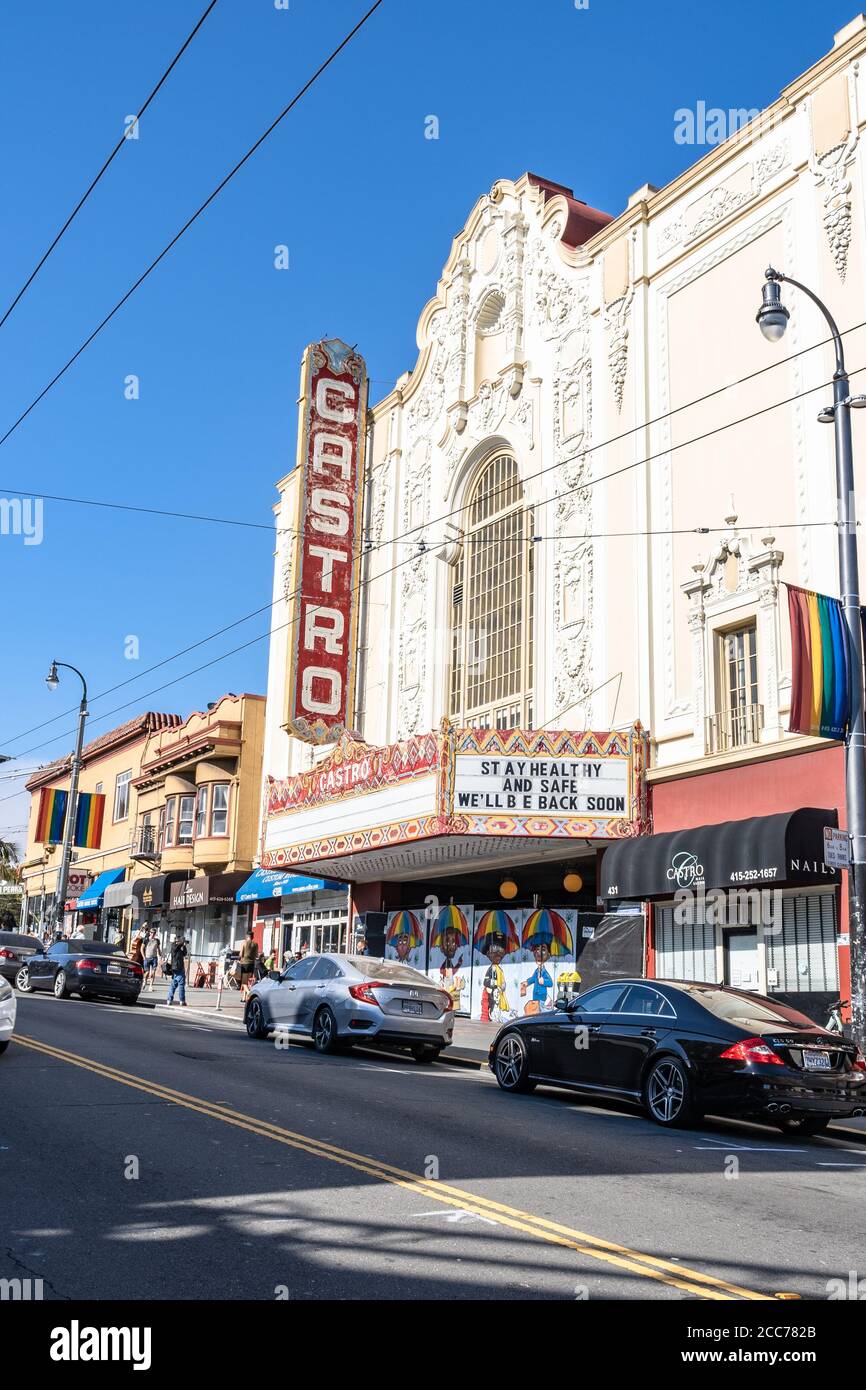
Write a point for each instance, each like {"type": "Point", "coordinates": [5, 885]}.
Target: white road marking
{"type": "Point", "coordinates": [457, 1214]}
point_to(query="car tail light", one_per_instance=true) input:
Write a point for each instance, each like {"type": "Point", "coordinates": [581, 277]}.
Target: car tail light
{"type": "Point", "coordinates": [88, 965]}
{"type": "Point", "coordinates": [752, 1050]}
{"type": "Point", "coordinates": [365, 993]}
{"type": "Point", "coordinates": [448, 1005]}
{"type": "Point", "coordinates": [136, 969]}
{"type": "Point", "coordinates": [6, 954]}
{"type": "Point", "coordinates": [859, 1062]}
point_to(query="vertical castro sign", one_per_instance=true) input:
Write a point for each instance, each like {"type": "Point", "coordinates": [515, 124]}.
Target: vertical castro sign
{"type": "Point", "coordinates": [320, 692]}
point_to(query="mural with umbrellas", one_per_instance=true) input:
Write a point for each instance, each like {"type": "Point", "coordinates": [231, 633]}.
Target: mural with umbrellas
{"type": "Point", "coordinates": [405, 937]}
{"type": "Point", "coordinates": [548, 936]}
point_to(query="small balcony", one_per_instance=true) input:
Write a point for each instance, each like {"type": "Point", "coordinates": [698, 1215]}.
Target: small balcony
{"type": "Point", "coordinates": [145, 844]}
{"type": "Point", "coordinates": [730, 729]}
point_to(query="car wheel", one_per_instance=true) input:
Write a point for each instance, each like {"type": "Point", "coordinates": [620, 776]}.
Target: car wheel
{"type": "Point", "coordinates": [511, 1064]}
{"type": "Point", "coordinates": [426, 1052]}
{"type": "Point", "coordinates": [254, 1020]}
{"type": "Point", "coordinates": [667, 1094]}
{"type": "Point", "coordinates": [61, 989]}
{"type": "Point", "coordinates": [23, 981]}
{"type": "Point", "coordinates": [805, 1125]}
{"type": "Point", "coordinates": [325, 1030]}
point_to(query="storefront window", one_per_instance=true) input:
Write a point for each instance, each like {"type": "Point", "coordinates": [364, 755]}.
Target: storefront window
{"type": "Point", "coordinates": [492, 605]}
{"type": "Point", "coordinates": [802, 958]}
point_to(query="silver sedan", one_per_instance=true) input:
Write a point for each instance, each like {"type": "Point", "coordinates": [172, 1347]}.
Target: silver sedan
{"type": "Point", "coordinates": [340, 1000]}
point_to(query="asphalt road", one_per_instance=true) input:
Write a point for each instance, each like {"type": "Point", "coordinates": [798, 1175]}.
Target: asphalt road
{"type": "Point", "coordinates": [152, 1156]}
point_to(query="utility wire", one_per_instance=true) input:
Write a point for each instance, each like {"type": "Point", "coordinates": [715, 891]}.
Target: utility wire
{"type": "Point", "coordinates": [368, 548]}
{"type": "Point", "coordinates": [189, 222]}
{"type": "Point", "coordinates": [11, 491]}
{"type": "Point", "coordinates": [121, 142]}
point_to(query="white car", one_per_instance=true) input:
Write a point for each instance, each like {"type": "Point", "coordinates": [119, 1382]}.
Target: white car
{"type": "Point", "coordinates": [8, 1007]}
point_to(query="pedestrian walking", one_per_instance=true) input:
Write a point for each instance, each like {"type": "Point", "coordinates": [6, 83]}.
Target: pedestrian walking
{"type": "Point", "coordinates": [136, 950]}
{"type": "Point", "coordinates": [178, 953]}
{"type": "Point", "coordinates": [249, 955]}
{"type": "Point", "coordinates": [151, 959]}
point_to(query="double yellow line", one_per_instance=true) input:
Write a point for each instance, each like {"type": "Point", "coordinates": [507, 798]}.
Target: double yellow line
{"type": "Point", "coordinates": [620, 1256]}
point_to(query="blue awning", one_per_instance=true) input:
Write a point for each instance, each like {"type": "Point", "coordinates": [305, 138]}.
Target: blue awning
{"type": "Point", "coordinates": [276, 883]}
{"type": "Point", "coordinates": [91, 898]}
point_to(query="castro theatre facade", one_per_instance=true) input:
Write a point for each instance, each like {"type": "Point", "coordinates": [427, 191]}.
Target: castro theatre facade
{"type": "Point", "coordinates": [570, 523]}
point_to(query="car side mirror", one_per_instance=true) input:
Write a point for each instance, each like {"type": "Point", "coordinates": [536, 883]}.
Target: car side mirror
{"type": "Point", "coordinates": [563, 1004]}
{"type": "Point", "coordinates": [274, 975]}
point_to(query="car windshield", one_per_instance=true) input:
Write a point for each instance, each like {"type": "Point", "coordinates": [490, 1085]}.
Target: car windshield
{"type": "Point", "coordinates": [388, 970]}
{"type": "Point", "coordinates": [752, 1008]}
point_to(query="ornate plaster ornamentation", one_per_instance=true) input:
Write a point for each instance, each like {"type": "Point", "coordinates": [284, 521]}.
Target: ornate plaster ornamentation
{"type": "Point", "coordinates": [832, 174]}
{"type": "Point", "coordinates": [615, 319]}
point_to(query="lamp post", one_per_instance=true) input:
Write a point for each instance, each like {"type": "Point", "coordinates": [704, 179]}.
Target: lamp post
{"type": "Point", "coordinates": [52, 680]}
{"type": "Point", "coordinates": [772, 319]}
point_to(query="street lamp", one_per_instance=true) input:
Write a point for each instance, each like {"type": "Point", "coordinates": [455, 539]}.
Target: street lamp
{"type": "Point", "coordinates": [52, 680]}
{"type": "Point", "coordinates": [772, 319]}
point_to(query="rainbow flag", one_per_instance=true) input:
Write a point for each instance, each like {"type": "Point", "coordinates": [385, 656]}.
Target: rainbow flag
{"type": "Point", "coordinates": [52, 814]}
{"type": "Point", "coordinates": [88, 820]}
{"type": "Point", "coordinates": [820, 679]}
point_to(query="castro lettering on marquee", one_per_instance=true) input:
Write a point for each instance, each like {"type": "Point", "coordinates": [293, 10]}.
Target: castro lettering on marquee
{"type": "Point", "coordinates": [320, 692]}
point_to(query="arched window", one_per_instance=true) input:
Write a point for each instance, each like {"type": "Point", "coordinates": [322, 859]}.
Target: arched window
{"type": "Point", "coordinates": [492, 605]}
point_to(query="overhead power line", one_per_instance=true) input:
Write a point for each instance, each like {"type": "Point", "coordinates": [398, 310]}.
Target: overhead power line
{"type": "Point", "coordinates": [190, 220]}
{"type": "Point", "coordinates": [121, 142]}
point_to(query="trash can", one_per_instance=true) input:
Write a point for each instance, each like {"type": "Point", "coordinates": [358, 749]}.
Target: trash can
{"type": "Point", "coordinates": [568, 985]}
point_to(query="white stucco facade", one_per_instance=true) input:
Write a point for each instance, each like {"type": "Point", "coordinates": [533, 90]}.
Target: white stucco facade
{"type": "Point", "coordinates": [670, 456]}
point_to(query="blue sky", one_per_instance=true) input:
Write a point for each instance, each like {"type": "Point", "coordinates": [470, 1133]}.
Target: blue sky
{"type": "Point", "coordinates": [367, 207]}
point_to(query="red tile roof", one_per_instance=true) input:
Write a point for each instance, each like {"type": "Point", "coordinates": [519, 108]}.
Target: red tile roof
{"type": "Point", "coordinates": [583, 221]}
{"type": "Point", "coordinates": [133, 729]}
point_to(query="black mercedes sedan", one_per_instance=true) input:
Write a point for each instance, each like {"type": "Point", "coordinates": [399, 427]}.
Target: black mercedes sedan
{"type": "Point", "coordinates": [683, 1049]}
{"type": "Point", "coordinates": [89, 968]}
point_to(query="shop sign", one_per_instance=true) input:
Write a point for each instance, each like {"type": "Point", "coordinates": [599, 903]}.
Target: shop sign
{"type": "Point", "coordinates": [531, 786]}
{"type": "Point", "coordinates": [191, 892]}
{"type": "Point", "coordinates": [320, 689]}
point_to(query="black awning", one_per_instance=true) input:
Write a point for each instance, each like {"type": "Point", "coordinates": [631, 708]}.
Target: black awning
{"type": "Point", "coordinates": [153, 892]}
{"type": "Point", "coordinates": [786, 849]}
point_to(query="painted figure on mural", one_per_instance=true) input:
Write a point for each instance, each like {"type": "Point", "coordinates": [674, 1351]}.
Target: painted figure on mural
{"type": "Point", "coordinates": [496, 936]}
{"type": "Point", "coordinates": [451, 954]}
{"type": "Point", "coordinates": [547, 935]}
{"type": "Point", "coordinates": [404, 939]}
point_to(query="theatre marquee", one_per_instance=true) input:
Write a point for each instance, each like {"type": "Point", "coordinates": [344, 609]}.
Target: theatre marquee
{"type": "Point", "coordinates": [456, 794]}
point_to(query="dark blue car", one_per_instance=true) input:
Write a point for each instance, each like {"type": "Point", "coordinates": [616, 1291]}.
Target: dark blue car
{"type": "Point", "coordinates": [91, 969]}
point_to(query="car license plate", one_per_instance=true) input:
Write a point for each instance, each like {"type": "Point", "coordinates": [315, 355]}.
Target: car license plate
{"type": "Point", "coordinates": [114, 969]}
{"type": "Point", "coordinates": [817, 1061]}
{"type": "Point", "coordinates": [411, 1008]}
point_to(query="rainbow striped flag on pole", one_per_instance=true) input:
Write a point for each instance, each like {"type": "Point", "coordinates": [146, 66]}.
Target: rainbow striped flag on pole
{"type": "Point", "coordinates": [88, 820]}
{"type": "Point", "coordinates": [820, 670]}
{"type": "Point", "coordinates": [52, 814]}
